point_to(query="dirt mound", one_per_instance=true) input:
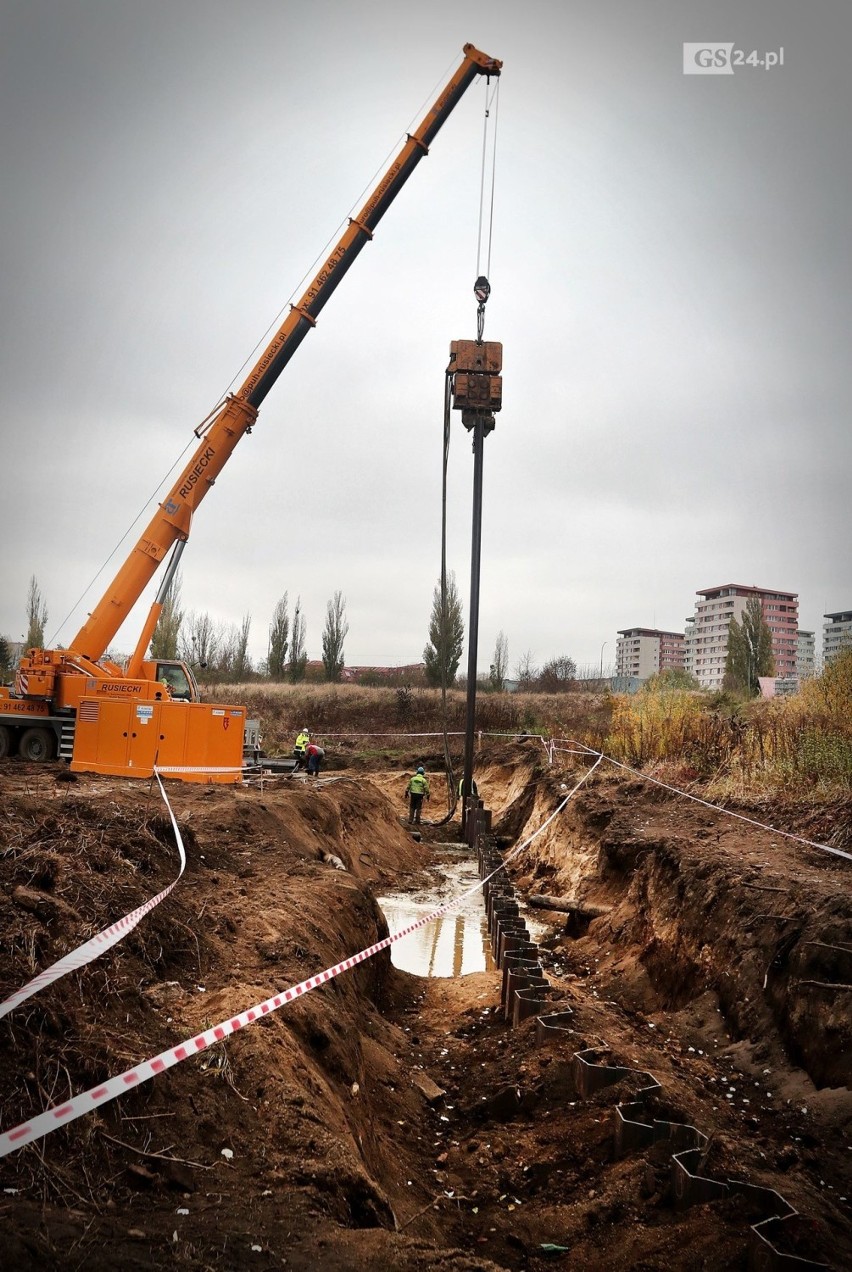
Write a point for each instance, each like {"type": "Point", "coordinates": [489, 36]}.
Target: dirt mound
{"type": "Point", "coordinates": [261, 905]}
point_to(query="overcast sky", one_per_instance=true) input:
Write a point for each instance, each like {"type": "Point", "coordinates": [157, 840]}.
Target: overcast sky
{"type": "Point", "coordinates": [671, 283]}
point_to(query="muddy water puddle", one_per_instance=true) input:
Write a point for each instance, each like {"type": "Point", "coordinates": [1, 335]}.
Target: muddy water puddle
{"type": "Point", "coordinates": [455, 944]}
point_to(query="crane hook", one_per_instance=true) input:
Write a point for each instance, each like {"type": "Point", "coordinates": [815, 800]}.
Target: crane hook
{"type": "Point", "coordinates": [481, 290]}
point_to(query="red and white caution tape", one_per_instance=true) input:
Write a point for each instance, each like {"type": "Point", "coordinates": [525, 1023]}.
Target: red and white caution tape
{"type": "Point", "coordinates": [194, 768]}
{"type": "Point", "coordinates": [373, 733]}
{"type": "Point", "coordinates": [99, 944]}
{"type": "Point", "coordinates": [61, 1115]}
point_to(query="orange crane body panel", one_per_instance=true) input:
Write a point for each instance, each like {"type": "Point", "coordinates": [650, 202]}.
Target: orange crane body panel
{"type": "Point", "coordinates": [130, 735]}
{"type": "Point", "coordinates": [22, 708]}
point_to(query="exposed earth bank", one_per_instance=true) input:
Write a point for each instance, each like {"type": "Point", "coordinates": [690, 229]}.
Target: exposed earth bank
{"type": "Point", "coordinates": [386, 1121]}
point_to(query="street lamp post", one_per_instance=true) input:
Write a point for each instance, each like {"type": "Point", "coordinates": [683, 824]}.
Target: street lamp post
{"type": "Point", "coordinates": [603, 647]}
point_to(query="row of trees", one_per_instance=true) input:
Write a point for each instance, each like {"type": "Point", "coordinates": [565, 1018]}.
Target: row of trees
{"type": "Point", "coordinates": [287, 658]}
{"type": "Point", "coordinates": [222, 649]}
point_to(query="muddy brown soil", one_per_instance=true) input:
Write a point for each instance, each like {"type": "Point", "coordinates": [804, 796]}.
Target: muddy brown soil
{"type": "Point", "coordinates": [387, 1121]}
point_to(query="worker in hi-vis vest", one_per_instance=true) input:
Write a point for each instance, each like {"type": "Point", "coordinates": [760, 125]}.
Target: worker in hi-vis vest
{"type": "Point", "coordinates": [418, 790]}
{"type": "Point", "coordinates": [473, 789]}
{"type": "Point", "coordinates": [300, 746]}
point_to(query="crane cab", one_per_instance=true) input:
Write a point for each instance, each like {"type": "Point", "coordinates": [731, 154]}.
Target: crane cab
{"type": "Point", "coordinates": [175, 675]}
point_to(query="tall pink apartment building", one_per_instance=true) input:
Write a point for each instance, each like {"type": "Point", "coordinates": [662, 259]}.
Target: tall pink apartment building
{"type": "Point", "coordinates": [707, 635]}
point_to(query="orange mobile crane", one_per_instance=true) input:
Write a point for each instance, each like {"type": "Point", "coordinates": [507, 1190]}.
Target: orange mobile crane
{"type": "Point", "coordinates": [127, 721]}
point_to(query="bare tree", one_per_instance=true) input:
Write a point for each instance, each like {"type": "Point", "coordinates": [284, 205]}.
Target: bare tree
{"type": "Point", "coordinates": [242, 662]}
{"type": "Point", "coordinates": [336, 629]}
{"type": "Point", "coordinates": [298, 656]}
{"type": "Point", "coordinates": [228, 642]}
{"type": "Point", "coordinates": [526, 671]}
{"type": "Point", "coordinates": [199, 640]}
{"type": "Point", "coordinates": [279, 640]}
{"type": "Point", "coordinates": [500, 665]}
{"type": "Point", "coordinates": [226, 636]}
{"type": "Point", "coordinates": [164, 642]}
{"type": "Point", "coordinates": [36, 616]}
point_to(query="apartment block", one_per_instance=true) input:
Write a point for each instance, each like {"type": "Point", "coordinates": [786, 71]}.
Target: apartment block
{"type": "Point", "coordinates": [689, 645]}
{"type": "Point", "coordinates": [805, 654]}
{"type": "Point", "coordinates": [713, 613]}
{"type": "Point", "coordinates": [643, 651]}
{"type": "Point", "coordinates": [836, 634]}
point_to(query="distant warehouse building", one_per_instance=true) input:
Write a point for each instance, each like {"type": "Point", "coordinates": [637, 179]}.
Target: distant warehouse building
{"type": "Point", "coordinates": [836, 634]}
{"type": "Point", "coordinates": [643, 651]}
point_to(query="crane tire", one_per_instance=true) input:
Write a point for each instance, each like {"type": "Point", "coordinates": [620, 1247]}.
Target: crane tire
{"type": "Point", "coordinates": [5, 742]}
{"type": "Point", "coordinates": [37, 745]}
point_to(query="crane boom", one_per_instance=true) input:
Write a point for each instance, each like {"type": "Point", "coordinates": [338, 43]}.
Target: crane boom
{"type": "Point", "coordinates": [217, 440]}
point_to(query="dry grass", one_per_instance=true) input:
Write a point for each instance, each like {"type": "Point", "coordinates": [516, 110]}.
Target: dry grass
{"type": "Point", "coordinates": [800, 745]}
{"type": "Point", "coordinates": [340, 709]}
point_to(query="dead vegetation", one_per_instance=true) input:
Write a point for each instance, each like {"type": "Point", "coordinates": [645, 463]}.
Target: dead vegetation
{"type": "Point", "coordinates": [369, 719]}
{"type": "Point", "coordinates": [799, 747]}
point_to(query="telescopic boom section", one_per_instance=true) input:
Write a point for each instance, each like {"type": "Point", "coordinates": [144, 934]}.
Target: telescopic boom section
{"type": "Point", "coordinates": [173, 520]}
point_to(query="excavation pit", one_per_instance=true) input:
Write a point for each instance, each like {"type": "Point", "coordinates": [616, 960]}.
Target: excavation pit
{"type": "Point", "coordinates": [389, 1120]}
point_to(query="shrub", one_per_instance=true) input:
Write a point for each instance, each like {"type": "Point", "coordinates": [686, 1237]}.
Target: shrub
{"type": "Point", "coordinates": [782, 743]}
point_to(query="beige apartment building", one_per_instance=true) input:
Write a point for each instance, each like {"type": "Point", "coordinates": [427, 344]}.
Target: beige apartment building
{"type": "Point", "coordinates": [836, 634]}
{"type": "Point", "coordinates": [708, 637]}
{"type": "Point", "coordinates": [643, 651]}
{"type": "Point", "coordinates": [689, 645]}
{"type": "Point", "coordinates": [806, 655]}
